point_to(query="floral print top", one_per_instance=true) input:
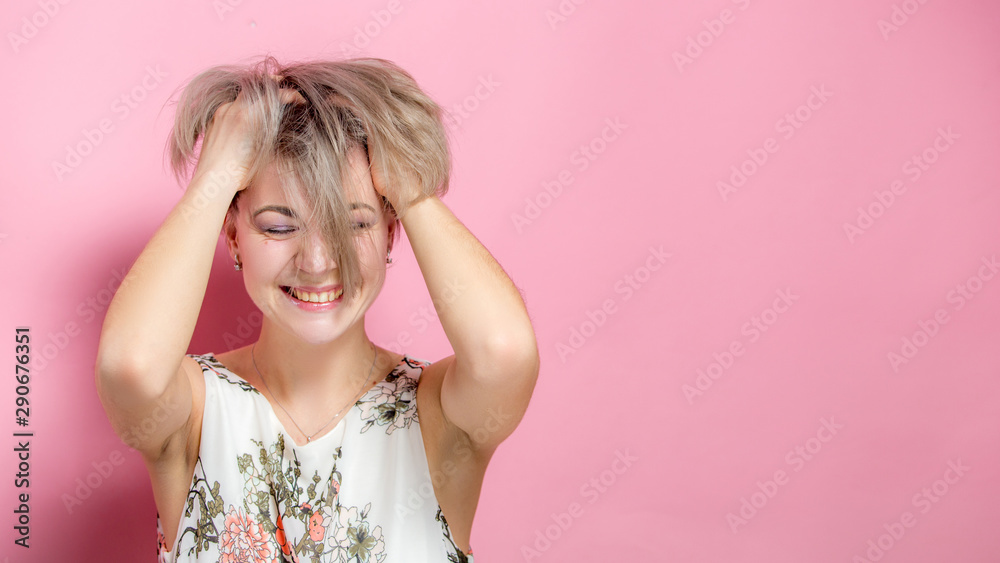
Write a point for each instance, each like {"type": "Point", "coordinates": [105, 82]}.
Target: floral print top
{"type": "Point", "coordinates": [362, 492]}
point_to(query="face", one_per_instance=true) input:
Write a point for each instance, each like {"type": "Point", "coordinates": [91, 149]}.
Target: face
{"type": "Point", "coordinates": [283, 259]}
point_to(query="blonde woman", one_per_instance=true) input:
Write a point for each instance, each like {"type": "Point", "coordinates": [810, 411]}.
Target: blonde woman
{"type": "Point", "coordinates": [313, 443]}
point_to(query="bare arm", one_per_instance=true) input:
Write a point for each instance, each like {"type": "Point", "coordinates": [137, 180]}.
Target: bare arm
{"type": "Point", "coordinates": [141, 361]}
{"type": "Point", "coordinates": [489, 380]}
{"type": "Point", "coordinates": [150, 321]}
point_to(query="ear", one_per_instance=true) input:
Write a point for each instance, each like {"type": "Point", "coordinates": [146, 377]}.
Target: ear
{"type": "Point", "coordinates": [393, 231]}
{"type": "Point", "coordinates": [229, 230]}
{"type": "Point", "coordinates": [389, 217]}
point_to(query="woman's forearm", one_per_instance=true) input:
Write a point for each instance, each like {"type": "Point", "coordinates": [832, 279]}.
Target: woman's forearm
{"type": "Point", "coordinates": [150, 321]}
{"type": "Point", "coordinates": [480, 308]}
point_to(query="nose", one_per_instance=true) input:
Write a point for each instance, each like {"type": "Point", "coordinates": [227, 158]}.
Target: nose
{"type": "Point", "coordinates": [314, 256]}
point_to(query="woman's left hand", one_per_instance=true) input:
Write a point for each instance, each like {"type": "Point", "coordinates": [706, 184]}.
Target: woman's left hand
{"type": "Point", "coordinates": [401, 190]}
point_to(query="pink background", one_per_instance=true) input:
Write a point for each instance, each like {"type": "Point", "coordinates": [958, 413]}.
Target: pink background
{"type": "Point", "coordinates": [756, 431]}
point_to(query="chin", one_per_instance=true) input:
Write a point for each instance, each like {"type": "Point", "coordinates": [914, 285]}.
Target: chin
{"type": "Point", "coordinates": [312, 331]}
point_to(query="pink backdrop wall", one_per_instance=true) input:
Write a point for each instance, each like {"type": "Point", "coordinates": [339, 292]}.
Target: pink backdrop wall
{"type": "Point", "coordinates": [758, 240]}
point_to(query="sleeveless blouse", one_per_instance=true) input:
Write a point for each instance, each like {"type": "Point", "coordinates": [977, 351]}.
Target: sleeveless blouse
{"type": "Point", "coordinates": [362, 492]}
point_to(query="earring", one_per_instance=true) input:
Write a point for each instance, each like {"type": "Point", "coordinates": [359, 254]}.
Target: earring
{"type": "Point", "coordinates": [388, 259]}
{"type": "Point", "coordinates": [237, 266]}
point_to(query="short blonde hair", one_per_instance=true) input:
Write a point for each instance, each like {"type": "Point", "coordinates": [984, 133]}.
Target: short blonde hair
{"type": "Point", "coordinates": [354, 103]}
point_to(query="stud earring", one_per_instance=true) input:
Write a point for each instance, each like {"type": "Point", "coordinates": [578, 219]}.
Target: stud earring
{"type": "Point", "coordinates": [237, 266]}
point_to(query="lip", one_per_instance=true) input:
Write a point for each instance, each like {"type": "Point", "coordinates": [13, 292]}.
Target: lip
{"type": "Point", "coordinates": [309, 306]}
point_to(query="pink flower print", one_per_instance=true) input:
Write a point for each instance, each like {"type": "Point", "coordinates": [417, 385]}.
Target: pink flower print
{"type": "Point", "coordinates": [243, 540]}
{"type": "Point", "coordinates": [162, 541]}
{"type": "Point", "coordinates": [282, 540]}
{"type": "Point", "coordinates": [316, 529]}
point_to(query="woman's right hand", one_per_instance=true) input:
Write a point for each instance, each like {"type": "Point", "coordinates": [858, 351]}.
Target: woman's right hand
{"type": "Point", "coordinates": [226, 149]}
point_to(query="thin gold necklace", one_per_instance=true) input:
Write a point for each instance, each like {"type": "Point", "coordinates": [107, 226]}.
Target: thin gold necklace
{"type": "Point", "coordinates": [308, 437]}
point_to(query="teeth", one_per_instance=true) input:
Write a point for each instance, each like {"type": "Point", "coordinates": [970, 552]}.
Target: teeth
{"type": "Point", "coordinates": [324, 297]}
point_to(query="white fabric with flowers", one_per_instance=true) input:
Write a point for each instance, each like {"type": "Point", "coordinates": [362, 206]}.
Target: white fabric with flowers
{"type": "Point", "coordinates": [361, 492]}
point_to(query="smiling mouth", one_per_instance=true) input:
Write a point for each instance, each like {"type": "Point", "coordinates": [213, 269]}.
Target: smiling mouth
{"type": "Point", "coordinates": [308, 297]}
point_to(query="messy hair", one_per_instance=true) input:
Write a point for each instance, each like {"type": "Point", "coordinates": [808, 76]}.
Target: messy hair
{"type": "Point", "coordinates": [355, 103]}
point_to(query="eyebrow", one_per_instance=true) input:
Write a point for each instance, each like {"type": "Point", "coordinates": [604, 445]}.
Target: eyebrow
{"type": "Point", "coordinates": [289, 213]}
{"type": "Point", "coordinates": [278, 209]}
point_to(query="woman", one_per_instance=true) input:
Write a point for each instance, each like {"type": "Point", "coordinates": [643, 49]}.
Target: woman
{"type": "Point", "coordinates": [313, 443]}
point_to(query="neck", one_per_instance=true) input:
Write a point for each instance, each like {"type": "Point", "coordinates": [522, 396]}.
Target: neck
{"type": "Point", "coordinates": [305, 374]}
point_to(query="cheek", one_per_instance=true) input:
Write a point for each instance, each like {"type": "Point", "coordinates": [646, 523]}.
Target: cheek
{"type": "Point", "coordinates": [267, 257]}
{"type": "Point", "coordinates": [372, 256]}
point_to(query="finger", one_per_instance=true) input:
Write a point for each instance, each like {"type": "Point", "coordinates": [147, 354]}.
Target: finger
{"type": "Point", "coordinates": [290, 96]}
